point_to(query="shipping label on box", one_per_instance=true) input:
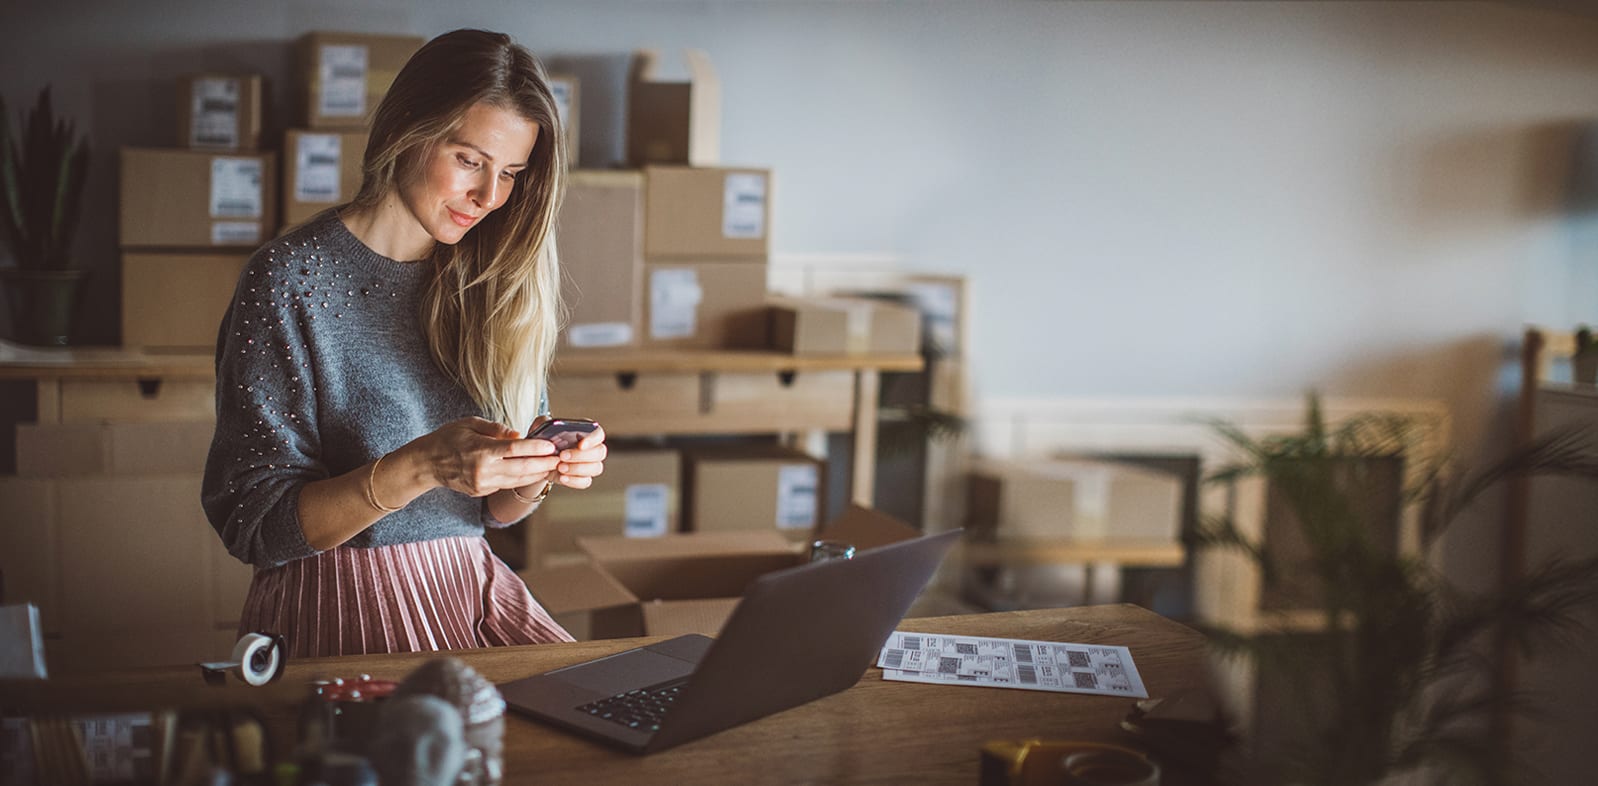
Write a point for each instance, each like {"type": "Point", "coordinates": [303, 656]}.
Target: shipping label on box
{"type": "Point", "coordinates": [341, 69]}
{"type": "Point", "coordinates": [743, 206]}
{"type": "Point", "coordinates": [798, 486]}
{"type": "Point", "coordinates": [316, 168]}
{"type": "Point", "coordinates": [674, 297]}
{"type": "Point", "coordinates": [648, 513]}
{"type": "Point", "coordinates": [236, 187]}
{"type": "Point", "coordinates": [214, 112]}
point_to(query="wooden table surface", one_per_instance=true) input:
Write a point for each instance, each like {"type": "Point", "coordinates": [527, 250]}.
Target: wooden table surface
{"type": "Point", "coordinates": [875, 732]}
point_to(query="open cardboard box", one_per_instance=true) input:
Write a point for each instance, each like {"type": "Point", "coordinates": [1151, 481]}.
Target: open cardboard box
{"type": "Point", "coordinates": [686, 583]}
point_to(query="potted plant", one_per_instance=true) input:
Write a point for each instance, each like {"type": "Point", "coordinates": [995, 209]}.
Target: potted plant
{"type": "Point", "coordinates": [1392, 683]}
{"type": "Point", "coordinates": [1584, 363]}
{"type": "Point", "coordinates": [43, 167]}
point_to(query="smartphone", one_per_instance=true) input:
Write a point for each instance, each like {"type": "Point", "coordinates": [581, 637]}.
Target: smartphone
{"type": "Point", "coordinates": [565, 433]}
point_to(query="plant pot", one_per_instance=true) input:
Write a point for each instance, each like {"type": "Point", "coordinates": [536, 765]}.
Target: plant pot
{"type": "Point", "coordinates": [1584, 367]}
{"type": "Point", "coordinates": [43, 303]}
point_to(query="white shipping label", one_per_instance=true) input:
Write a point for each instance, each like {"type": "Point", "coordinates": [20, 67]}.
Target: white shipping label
{"type": "Point", "coordinates": [236, 187]}
{"type": "Point", "coordinates": [117, 748]}
{"type": "Point", "coordinates": [1011, 663]}
{"type": "Point", "coordinates": [316, 168]}
{"type": "Point", "coordinates": [648, 506]}
{"type": "Point", "coordinates": [674, 296]}
{"type": "Point", "coordinates": [214, 113]}
{"type": "Point", "coordinates": [743, 206]}
{"type": "Point", "coordinates": [599, 334]}
{"type": "Point", "coordinates": [235, 233]}
{"type": "Point", "coordinates": [561, 90]}
{"type": "Point", "coordinates": [797, 496]}
{"type": "Point", "coordinates": [342, 72]}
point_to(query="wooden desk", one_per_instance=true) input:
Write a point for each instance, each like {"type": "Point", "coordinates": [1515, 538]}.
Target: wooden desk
{"type": "Point", "coordinates": [875, 732]}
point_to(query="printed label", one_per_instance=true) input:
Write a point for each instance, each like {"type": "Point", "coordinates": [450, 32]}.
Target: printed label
{"type": "Point", "coordinates": [214, 113]}
{"type": "Point", "coordinates": [235, 233]}
{"type": "Point", "coordinates": [796, 496]}
{"type": "Point", "coordinates": [316, 168]}
{"type": "Point", "coordinates": [743, 206]}
{"type": "Point", "coordinates": [235, 187]}
{"type": "Point", "coordinates": [599, 334]}
{"type": "Point", "coordinates": [117, 748]}
{"type": "Point", "coordinates": [342, 68]}
{"type": "Point", "coordinates": [561, 90]}
{"type": "Point", "coordinates": [674, 296]}
{"type": "Point", "coordinates": [647, 510]}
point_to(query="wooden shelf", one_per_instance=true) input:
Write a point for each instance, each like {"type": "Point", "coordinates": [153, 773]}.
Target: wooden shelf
{"type": "Point", "coordinates": [699, 361]}
{"type": "Point", "coordinates": [1128, 552]}
{"type": "Point", "coordinates": [36, 363]}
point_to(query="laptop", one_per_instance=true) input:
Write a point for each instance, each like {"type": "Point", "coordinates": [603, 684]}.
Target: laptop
{"type": "Point", "coordinates": [797, 635]}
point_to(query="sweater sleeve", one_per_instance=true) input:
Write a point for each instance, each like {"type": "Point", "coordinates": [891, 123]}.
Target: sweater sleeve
{"type": "Point", "coordinates": [266, 446]}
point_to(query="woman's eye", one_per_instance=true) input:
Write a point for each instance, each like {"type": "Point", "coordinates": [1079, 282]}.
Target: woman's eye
{"type": "Point", "coordinates": [466, 162]}
{"type": "Point", "coordinates": [507, 176]}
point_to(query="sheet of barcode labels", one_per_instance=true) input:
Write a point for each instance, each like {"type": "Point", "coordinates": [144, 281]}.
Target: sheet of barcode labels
{"type": "Point", "coordinates": [1011, 663]}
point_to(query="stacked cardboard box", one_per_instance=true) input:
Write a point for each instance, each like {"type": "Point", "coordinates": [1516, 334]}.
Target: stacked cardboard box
{"type": "Point", "coordinates": [601, 241]}
{"type": "Point", "coordinates": [638, 497]}
{"type": "Point", "coordinates": [762, 488]}
{"type": "Point", "coordinates": [844, 326]}
{"type": "Point", "coordinates": [189, 215]}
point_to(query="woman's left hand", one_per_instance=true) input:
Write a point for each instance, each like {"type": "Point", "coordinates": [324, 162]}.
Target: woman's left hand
{"type": "Point", "coordinates": [581, 464]}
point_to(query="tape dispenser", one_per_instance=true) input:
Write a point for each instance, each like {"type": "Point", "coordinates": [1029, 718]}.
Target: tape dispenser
{"type": "Point", "coordinates": [258, 658]}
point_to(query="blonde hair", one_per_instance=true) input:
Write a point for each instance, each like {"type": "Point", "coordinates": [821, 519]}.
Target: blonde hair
{"type": "Point", "coordinates": [491, 312]}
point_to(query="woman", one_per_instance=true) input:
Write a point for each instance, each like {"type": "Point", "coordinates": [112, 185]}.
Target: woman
{"type": "Point", "coordinates": [375, 360]}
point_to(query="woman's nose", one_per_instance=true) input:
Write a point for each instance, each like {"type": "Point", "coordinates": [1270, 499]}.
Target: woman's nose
{"type": "Point", "coordinates": [486, 194]}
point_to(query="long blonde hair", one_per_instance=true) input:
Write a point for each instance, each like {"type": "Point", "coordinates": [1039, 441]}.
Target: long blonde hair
{"type": "Point", "coordinates": [491, 312]}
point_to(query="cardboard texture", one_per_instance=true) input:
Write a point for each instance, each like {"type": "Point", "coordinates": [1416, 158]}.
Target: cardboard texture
{"type": "Point", "coordinates": [685, 583]}
{"type": "Point", "coordinates": [113, 448]}
{"type": "Point", "coordinates": [707, 214]}
{"type": "Point", "coordinates": [567, 91]}
{"type": "Point", "coordinates": [129, 400]}
{"type": "Point", "coordinates": [638, 496]}
{"type": "Point", "coordinates": [342, 77]}
{"type": "Point", "coordinates": [759, 488]}
{"type": "Point", "coordinates": [175, 301]}
{"type": "Point", "coordinates": [196, 199]}
{"type": "Point", "coordinates": [601, 237]}
{"type": "Point", "coordinates": [28, 552]}
{"type": "Point", "coordinates": [221, 111]}
{"type": "Point", "coordinates": [1086, 500]}
{"type": "Point", "coordinates": [844, 326]}
{"type": "Point", "coordinates": [320, 169]}
{"type": "Point", "coordinates": [673, 122]}
{"type": "Point", "coordinates": [705, 305]}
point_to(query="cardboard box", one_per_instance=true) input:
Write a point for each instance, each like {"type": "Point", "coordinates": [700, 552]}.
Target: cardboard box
{"type": "Point", "coordinates": [344, 76]}
{"type": "Point", "coordinates": [175, 301]}
{"type": "Point", "coordinates": [673, 122]}
{"type": "Point", "coordinates": [685, 583]}
{"type": "Point", "coordinates": [601, 239]}
{"type": "Point", "coordinates": [197, 199]}
{"type": "Point", "coordinates": [565, 89]}
{"type": "Point", "coordinates": [844, 326]}
{"type": "Point", "coordinates": [320, 169]}
{"type": "Point", "coordinates": [50, 450]}
{"type": "Point", "coordinates": [755, 488]}
{"type": "Point", "coordinates": [29, 554]}
{"type": "Point", "coordinates": [220, 111]}
{"type": "Point", "coordinates": [1087, 500]}
{"type": "Point", "coordinates": [706, 305]}
{"type": "Point", "coordinates": [707, 214]}
{"type": "Point", "coordinates": [639, 496]}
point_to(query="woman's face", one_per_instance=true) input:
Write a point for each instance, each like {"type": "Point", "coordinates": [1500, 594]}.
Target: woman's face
{"type": "Point", "coordinates": [471, 172]}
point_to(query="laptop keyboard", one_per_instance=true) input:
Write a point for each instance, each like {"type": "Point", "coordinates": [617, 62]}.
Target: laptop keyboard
{"type": "Point", "coordinates": [639, 709]}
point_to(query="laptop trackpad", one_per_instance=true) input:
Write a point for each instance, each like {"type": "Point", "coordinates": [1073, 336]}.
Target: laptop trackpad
{"type": "Point", "coordinates": [625, 671]}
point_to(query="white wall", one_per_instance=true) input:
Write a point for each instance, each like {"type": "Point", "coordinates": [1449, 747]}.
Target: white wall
{"type": "Point", "coordinates": [1149, 198]}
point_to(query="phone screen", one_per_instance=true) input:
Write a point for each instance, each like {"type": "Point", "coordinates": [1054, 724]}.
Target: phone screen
{"type": "Point", "coordinates": [564, 433]}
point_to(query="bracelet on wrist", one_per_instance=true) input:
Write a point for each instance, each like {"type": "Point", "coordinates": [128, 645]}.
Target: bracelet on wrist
{"type": "Point", "coordinates": [371, 489]}
{"type": "Point", "coordinates": [537, 498]}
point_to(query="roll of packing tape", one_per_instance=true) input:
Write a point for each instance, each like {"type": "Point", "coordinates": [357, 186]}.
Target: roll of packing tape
{"type": "Point", "coordinates": [260, 658]}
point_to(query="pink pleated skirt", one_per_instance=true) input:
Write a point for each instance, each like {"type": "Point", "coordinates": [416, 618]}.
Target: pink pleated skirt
{"type": "Point", "coordinates": [444, 594]}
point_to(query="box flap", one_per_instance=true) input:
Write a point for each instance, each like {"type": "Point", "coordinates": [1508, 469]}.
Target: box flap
{"type": "Point", "coordinates": [677, 617]}
{"type": "Point", "coordinates": [865, 528]}
{"type": "Point", "coordinates": [691, 577]}
{"type": "Point", "coordinates": [616, 548]}
{"type": "Point", "coordinates": [575, 587]}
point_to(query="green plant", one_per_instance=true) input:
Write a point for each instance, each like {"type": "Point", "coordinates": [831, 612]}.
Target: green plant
{"type": "Point", "coordinates": [1395, 681]}
{"type": "Point", "coordinates": [43, 168]}
{"type": "Point", "coordinates": [1584, 340]}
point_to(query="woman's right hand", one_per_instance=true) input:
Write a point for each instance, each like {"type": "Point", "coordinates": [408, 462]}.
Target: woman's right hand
{"type": "Point", "coordinates": [478, 457]}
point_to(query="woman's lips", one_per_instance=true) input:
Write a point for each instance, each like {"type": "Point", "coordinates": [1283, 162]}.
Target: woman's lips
{"type": "Point", "coordinates": [461, 218]}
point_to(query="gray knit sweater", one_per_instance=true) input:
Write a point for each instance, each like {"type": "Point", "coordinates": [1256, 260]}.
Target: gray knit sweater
{"type": "Point", "coordinates": [321, 367]}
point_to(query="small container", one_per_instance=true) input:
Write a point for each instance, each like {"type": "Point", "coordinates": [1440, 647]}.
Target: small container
{"type": "Point", "coordinates": [822, 550]}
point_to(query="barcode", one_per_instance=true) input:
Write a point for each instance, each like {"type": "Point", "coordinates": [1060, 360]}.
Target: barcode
{"type": "Point", "coordinates": [948, 665]}
{"type": "Point", "coordinates": [749, 199]}
{"type": "Point", "coordinates": [341, 71]}
{"type": "Point", "coordinates": [1023, 653]}
{"type": "Point", "coordinates": [315, 159]}
{"type": "Point", "coordinates": [912, 642]}
{"type": "Point", "coordinates": [965, 648]}
{"type": "Point", "coordinates": [895, 659]}
{"type": "Point", "coordinates": [1027, 674]}
{"type": "Point", "coordinates": [218, 105]}
{"type": "Point", "coordinates": [1078, 658]}
{"type": "Point", "coordinates": [967, 677]}
{"type": "Point", "coordinates": [1085, 679]}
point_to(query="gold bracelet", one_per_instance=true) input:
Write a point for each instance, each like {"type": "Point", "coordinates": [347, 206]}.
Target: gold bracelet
{"type": "Point", "coordinates": [371, 488]}
{"type": "Point", "coordinates": [537, 498]}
